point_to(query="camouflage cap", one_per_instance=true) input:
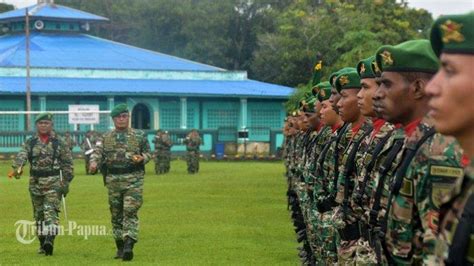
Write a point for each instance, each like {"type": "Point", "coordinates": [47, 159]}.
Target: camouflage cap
{"type": "Point", "coordinates": [119, 109]}
{"type": "Point", "coordinates": [366, 69]}
{"type": "Point", "coordinates": [44, 116]}
{"type": "Point", "coordinates": [409, 56]}
{"type": "Point", "coordinates": [347, 80]}
{"type": "Point", "coordinates": [333, 76]}
{"type": "Point", "coordinates": [453, 34]}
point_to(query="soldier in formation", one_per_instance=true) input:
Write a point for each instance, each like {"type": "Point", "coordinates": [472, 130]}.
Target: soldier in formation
{"type": "Point", "coordinates": [51, 171]}
{"type": "Point", "coordinates": [378, 178]}
{"type": "Point", "coordinates": [121, 155]}
{"type": "Point", "coordinates": [162, 152]}
{"type": "Point", "coordinates": [192, 142]}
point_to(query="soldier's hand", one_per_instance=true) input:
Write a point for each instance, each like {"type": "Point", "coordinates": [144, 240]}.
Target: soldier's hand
{"type": "Point", "coordinates": [136, 158]}
{"type": "Point", "coordinates": [15, 173]}
{"type": "Point", "coordinates": [93, 168]}
{"type": "Point", "coordinates": [64, 188]}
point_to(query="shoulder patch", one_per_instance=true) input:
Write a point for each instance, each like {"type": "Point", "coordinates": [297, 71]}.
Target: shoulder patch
{"type": "Point", "coordinates": [407, 188]}
{"type": "Point", "coordinates": [440, 193]}
{"type": "Point", "coordinates": [448, 171]}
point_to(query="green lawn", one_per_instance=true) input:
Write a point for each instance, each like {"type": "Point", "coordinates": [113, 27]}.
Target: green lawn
{"type": "Point", "coordinates": [229, 213]}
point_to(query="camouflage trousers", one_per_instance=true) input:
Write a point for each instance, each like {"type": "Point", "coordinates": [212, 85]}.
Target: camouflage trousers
{"type": "Point", "coordinates": [162, 161]}
{"type": "Point", "coordinates": [125, 199]}
{"type": "Point", "coordinates": [46, 200]}
{"type": "Point", "coordinates": [86, 163]}
{"type": "Point", "coordinates": [328, 238]}
{"type": "Point", "coordinates": [192, 160]}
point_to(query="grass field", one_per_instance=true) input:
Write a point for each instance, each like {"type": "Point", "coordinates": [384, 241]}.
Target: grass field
{"type": "Point", "coordinates": [229, 213]}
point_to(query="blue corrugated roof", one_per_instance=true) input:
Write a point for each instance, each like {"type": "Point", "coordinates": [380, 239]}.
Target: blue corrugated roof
{"type": "Point", "coordinates": [74, 86]}
{"type": "Point", "coordinates": [50, 11]}
{"type": "Point", "coordinates": [62, 50]}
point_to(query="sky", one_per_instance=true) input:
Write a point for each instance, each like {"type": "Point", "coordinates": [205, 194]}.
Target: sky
{"type": "Point", "coordinates": [436, 7]}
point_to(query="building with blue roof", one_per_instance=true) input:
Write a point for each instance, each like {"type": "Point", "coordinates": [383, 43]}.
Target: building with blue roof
{"type": "Point", "coordinates": [70, 67]}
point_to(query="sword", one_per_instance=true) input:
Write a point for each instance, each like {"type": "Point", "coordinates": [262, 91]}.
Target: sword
{"type": "Point", "coordinates": [62, 196]}
{"type": "Point", "coordinates": [90, 150]}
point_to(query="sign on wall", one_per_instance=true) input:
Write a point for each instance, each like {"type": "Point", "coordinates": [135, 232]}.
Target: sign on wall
{"type": "Point", "coordinates": [84, 114]}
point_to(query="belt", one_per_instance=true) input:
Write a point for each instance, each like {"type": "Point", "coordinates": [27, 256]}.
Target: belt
{"type": "Point", "coordinates": [40, 174]}
{"type": "Point", "coordinates": [350, 232]}
{"type": "Point", "coordinates": [122, 171]}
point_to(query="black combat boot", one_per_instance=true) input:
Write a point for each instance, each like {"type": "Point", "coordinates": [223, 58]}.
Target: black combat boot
{"type": "Point", "coordinates": [119, 244]}
{"type": "Point", "coordinates": [48, 245]}
{"type": "Point", "coordinates": [128, 249]}
{"type": "Point", "coordinates": [41, 240]}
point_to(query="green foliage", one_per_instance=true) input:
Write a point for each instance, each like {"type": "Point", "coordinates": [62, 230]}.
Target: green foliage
{"type": "Point", "coordinates": [275, 41]}
{"type": "Point", "coordinates": [228, 213]}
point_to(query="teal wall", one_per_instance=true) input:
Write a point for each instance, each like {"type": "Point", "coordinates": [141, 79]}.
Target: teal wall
{"type": "Point", "coordinates": [224, 115]}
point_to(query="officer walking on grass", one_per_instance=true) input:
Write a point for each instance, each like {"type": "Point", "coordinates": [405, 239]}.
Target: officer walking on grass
{"type": "Point", "coordinates": [122, 154]}
{"type": "Point", "coordinates": [51, 171]}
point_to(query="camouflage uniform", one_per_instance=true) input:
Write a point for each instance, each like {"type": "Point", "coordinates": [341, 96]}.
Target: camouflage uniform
{"type": "Point", "coordinates": [314, 187]}
{"type": "Point", "coordinates": [192, 142]}
{"type": "Point", "coordinates": [47, 160]}
{"type": "Point", "coordinates": [162, 152]}
{"type": "Point", "coordinates": [69, 141]}
{"type": "Point", "coordinates": [455, 242]}
{"type": "Point", "coordinates": [345, 223]}
{"type": "Point", "coordinates": [413, 218]}
{"type": "Point", "coordinates": [330, 157]}
{"type": "Point", "coordinates": [369, 149]}
{"type": "Point", "coordinates": [124, 179]}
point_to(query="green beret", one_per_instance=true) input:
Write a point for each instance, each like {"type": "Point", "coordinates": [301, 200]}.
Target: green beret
{"type": "Point", "coordinates": [307, 103]}
{"type": "Point", "coordinates": [323, 91]}
{"type": "Point", "coordinates": [44, 116]}
{"type": "Point", "coordinates": [375, 68]}
{"type": "Point", "coordinates": [347, 80]}
{"type": "Point", "coordinates": [409, 56]}
{"type": "Point", "coordinates": [453, 34]}
{"type": "Point", "coordinates": [333, 76]}
{"type": "Point", "coordinates": [118, 109]}
{"type": "Point", "coordinates": [365, 68]}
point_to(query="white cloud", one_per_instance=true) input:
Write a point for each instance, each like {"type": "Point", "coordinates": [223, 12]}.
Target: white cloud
{"type": "Point", "coordinates": [443, 7]}
{"type": "Point", "coordinates": [20, 3]}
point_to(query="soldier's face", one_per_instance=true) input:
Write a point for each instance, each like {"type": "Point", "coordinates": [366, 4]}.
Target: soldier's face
{"type": "Point", "coordinates": [451, 93]}
{"type": "Point", "coordinates": [328, 116]}
{"type": "Point", "coordinates": [44, 127]}
{"type": "Point", "coordinates": [314, 120]}
{"type": "Point", "coordinates": [334, 99]}
{"type": "Point", "coordinates": [121, 121]}
{"type": "Point", "coordinates": [347, 105]}
{"type": "Point", "coordinates": [392, 99]}
{"type": "Point", "coordinates": [304, 122]}
{"type": "Point", "coordinates": [364, 97]}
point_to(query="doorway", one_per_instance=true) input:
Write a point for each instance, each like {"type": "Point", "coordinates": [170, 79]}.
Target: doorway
{"type": "Point", "coordinates": [141, 117]}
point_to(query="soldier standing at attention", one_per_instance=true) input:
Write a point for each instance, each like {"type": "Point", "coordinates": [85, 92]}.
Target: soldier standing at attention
{"type": "Point", "coordinates": [451, 94]}
{"type": "Point", "coordinates": [51, 171]}
{"type": "Point", "coordinates": [192, 141]}
{"type": "Point", "coordinates": [122, 154]}
{"type": "Point", "coordinates": [162, 152]}
{"type": "Point", "coordinates": [429, 163]}
{"type": "Point", "coordinates": [69, 140]}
